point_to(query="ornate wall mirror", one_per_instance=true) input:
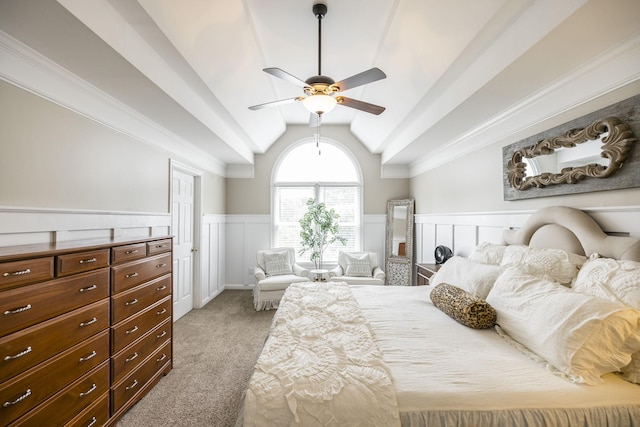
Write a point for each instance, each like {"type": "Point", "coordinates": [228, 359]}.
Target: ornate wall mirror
{"type": "Point", "coordinates": [593, 153]}
{"type": "Point", "coordinates": [399, 245]}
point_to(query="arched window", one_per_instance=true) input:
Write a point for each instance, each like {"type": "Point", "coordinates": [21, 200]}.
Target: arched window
{"type": "Point", "coordinates": [332, 177]}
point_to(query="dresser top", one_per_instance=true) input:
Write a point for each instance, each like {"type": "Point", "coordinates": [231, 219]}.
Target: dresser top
{"type": "Point", "coordinates": [10, 253]}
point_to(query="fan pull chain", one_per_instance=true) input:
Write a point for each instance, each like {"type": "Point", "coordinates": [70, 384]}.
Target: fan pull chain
{"type": "Point", "coordinates": [318, 135]}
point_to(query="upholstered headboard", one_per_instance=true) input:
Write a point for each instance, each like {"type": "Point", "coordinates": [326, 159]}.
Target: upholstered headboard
{"type": "Point", "coordinates": [573, 231]}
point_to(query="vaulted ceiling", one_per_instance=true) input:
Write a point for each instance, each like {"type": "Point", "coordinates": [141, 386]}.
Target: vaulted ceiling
{"type": "Point", "coordinates": [181, 74]}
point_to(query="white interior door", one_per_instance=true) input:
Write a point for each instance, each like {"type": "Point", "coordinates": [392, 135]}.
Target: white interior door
{"type": "Point", "coordinates": [182, 228]}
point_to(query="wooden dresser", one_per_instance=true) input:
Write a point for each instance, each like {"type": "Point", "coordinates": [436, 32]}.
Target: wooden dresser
{"type": "Point", "coordinates": [85, 329]}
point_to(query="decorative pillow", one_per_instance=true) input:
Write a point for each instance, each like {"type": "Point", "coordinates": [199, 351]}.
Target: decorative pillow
{"type": "Point", "coordinates": [488, 253]}
{"type": "Point", "coordinates": [277, 263]}
{"type": "Point", "coordinates": [473, 277]}
{"type": "Point", "coordinates": [616, 281]}
{"type": "Point", "coordinates": [358, 266]}
{"type": "Point", "coordinates": [552, 264]}
{"type": "Point", "coordinates": [580, 335]}
{"type": "Point", "coordinates": [463, 307]}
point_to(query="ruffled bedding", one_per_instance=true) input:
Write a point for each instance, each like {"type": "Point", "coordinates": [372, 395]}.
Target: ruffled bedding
{"type": "Point", "coordinates": [320, 365]}
{"type": "Point", "coordinates": [382, 356]}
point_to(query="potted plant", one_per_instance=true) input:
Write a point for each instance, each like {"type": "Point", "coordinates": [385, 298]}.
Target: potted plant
{"type": "Point", "coordinates": [320, 229]}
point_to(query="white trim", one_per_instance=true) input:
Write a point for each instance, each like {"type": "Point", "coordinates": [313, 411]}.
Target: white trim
{"type": "Point", "coordinates": [620, 66]}
{"type": "Point", "coordinates": [31, 71]}
{"type": "Point", "coordinates": [28, 225]}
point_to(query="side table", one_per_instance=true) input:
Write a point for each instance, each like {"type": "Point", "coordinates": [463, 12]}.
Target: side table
{"type": "Point", "coordinates": [319, 273]}
{"type": "Point", "coordinates": [424, 272]}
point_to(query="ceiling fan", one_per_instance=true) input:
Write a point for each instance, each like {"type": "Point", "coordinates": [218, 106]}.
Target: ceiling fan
{"type": "Point", "coordinates": [321, 90]}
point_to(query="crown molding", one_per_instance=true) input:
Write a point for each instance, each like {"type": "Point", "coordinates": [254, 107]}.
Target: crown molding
{"type": "Point", "coordinates": [33, 72]}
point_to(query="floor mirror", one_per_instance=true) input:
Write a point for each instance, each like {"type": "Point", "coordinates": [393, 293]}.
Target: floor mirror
{"type": "Point", "coordinates": [399, 245]}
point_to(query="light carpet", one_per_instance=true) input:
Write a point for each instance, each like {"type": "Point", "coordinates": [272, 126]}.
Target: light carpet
{"type": "Point", "coordinates": [214, 351]}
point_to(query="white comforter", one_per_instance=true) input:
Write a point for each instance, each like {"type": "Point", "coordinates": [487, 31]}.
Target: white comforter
{"type": "Point", "coordinates": [447, 374]}
{"type": "Point", "coordinates": [320, 365]}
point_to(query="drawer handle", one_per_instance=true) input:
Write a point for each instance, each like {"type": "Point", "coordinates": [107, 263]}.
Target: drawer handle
{"type": "Point", "coordinates": [130, 331]}
{"type": "Point", "coordinates": [17, 273]}
{"type": "Point", "coordinates": [161, 265]}
{"type": "Point", "coordinates": [88, 261]}
{"type": "Point", "coordinates": [161, 334]}
{"type": "Point", "coordinates": [134, 251]}
{"type": "Point", "coordinates": [161, 288]}
{"type": "Point", "coordinates": [22, 353]}
{"type": "Point", "coordinates": [133, 301]}
{"type": "Point", "coordinates": [129, 387]}
{"type": "Point", "coordinates": [163, 311]}
{"type": "Point", "coordinates": [129, 359]}
{"type": "Point", "coordinates": [89, 322]}
{"type": "Point", "coordinates": [163, 357]}
{"type": "Point", "coordinates": [130, 275]}
{"type": "Point", "coordinates": [24, 396]}
{"type": "Point", "coordinates": [18, 310]}
{"type": "Point", "coordinates": [93, 422]}
{"type": "Point", "coordinates": [89, 288]}
{"type": "Point", "coordinates": [92, 355]}
{"type": "Point", "coordinates": [91, 390]}
{"type": "Point", "coordinates": [160, 246]}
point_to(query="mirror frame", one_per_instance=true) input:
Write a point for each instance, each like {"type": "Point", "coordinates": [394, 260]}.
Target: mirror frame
{"type": "Point", "coordinates": [622, 144]}
{"type": "Point", "coordinates": [398, 268]}
{"type": "Point", "coordinates": [616, 147]}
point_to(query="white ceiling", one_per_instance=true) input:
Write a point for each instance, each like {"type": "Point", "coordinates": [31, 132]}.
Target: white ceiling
{"type": "Point", "coordinates": [460, 73]}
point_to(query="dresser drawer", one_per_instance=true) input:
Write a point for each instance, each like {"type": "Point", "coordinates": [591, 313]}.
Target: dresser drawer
{"type": "Point", "coordinates": [81, 261]}
{"type": "Point", "coordinates": [125, 390]}
{"type": "Point", "coordinates": [126, 332]}
{"type": "Point", "coordinates": [158, 246]}
{"type": "Point", "coordinates": [128, 275]}
{"type": "Point", "coordinates": [16, 273]}
{"type": "Point", "coordinates": [129, 358]}
{"type": "Point", "coordinates": [125, 253]}
{"type": "Point", "coordinates": [28, 305]}
{"type": "Point", "coordinates": [45, 379]}
{"type": "Point", "coordinates": [95, 415]}
{"type": "Point", "coordinates": [79, 395]}
{"type": "Point", "coordinates": [28, 347]}
{"type": "Point", "coordinates": [132, 301]}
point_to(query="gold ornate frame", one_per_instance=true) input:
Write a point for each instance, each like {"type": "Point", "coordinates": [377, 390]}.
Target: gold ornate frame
{"type": "Point", "coordinates": [616, 147]}
{"type": "Point", "coordinates": [616, 127]}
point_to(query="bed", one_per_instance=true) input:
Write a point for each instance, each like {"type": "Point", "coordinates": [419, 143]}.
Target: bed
{"type": "Point", "coordinates": [564, 350]}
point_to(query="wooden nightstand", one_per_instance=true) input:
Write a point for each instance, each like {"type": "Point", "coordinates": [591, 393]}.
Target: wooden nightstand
{"type": "Point", "coordinates": [425, 271]}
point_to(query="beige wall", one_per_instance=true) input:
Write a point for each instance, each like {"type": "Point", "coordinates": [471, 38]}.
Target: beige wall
{"type": "Point", "coordinates": [474, 183]}
{"type": "Point", "coordinates": [252, 195]}
{"type": "Point", "coordinates": [51, 157]}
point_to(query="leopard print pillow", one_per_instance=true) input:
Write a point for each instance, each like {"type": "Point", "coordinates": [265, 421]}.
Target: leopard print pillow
{"type": "Point", "coordinates": [463, 307]}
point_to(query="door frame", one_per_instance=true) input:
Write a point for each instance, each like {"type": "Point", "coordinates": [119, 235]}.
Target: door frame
{"type": "Point", "coordinates": [197, 221]}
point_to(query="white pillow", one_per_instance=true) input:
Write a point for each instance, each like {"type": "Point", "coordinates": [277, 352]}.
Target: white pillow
{"type": "Point", "coordinates": [358, 266]}
{"type": "Point", "coordinates": [580, 335]}
{"type": "Point", "coordinates": [277, 263]}
{"type": "Point", "coordinates": [552, 264]}
{"type": "Point", "coordinates": [472, 276]}
{"type": "Point", "coordinates": [616, 281]}
{"type": "Point", "coordinates": [488, 253]}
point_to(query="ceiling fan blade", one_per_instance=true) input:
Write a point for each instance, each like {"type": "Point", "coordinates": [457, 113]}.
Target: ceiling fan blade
{"type": "Point", "coordinates": [276, 103]}
{"type": "Point", "coordinates": [369, 76]}
{"type": "Point", "coordinates": [281, 74]}
{"type": "Point", "coordinates": [360, 105]}
{"type": "Point", "coordinates": [315, 120]}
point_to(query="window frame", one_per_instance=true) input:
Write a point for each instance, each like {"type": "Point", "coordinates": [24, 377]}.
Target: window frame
{"type": "Point", "coordinates": [317, 185]}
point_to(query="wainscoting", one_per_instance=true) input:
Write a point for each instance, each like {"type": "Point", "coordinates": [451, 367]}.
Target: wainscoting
{"type": "Point", "coordinates": [463, 231]}
{"type": "Point", "coordinates": [245, 234]}
{"type": "Point", "coordinates": [228, 243]}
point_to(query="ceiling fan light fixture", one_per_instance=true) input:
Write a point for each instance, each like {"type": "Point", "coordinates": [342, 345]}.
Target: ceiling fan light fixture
{"type": "Point", "coordinates": [319, 103]}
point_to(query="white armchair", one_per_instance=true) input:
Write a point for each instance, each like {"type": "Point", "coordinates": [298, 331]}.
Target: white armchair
{"type": "Point", "coordinates": [358, 268]}
{"type": "Point", "coordinates": [275, 270]}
